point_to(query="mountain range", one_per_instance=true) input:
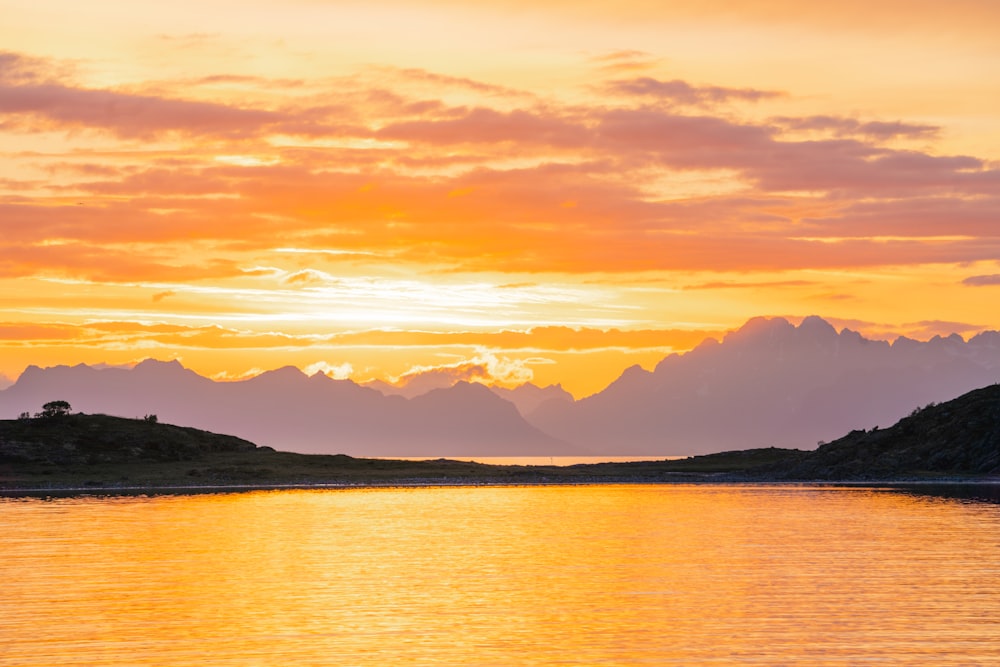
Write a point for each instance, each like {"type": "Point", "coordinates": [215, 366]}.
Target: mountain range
{"type": "Point", "coordinates": [770, 383]}
{"type": "Point", "coordinates": [288, 410]}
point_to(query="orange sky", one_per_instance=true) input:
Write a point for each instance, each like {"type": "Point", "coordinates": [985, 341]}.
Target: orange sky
{"type": "Point", "coordinates": [536, 191]}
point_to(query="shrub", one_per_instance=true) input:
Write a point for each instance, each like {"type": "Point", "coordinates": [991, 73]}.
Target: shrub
{"type": "Point", "coordinates": [54, 409]}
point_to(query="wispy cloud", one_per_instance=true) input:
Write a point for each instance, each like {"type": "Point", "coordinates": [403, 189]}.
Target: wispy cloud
{"type": "Point", "coordinates": [625, 60]}
{"type": "Point", "coordinates": [52, 106]}
{"type": "Point", "coordinates": [982, 281]}
{"type": "Point", "coordinates": [840, 126]}
{"type": "Point", "coordinates": [160, 296]}
{"type": "Point", "coordinates": [681, 92]}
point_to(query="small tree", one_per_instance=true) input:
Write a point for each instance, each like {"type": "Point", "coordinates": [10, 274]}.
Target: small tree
{"type": "Point", "coordinates": [152, 419]}
{"type": "Point", "coordinates": [54, 409]}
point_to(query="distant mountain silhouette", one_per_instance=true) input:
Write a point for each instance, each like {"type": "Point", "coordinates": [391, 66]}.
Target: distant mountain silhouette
{"type": "Point", "coordinates": [771, 384]}
{"type": "Point", "coordinates": [768, 384]}
{"type": "Point", "coordinates": [290, 411]}
{"type": "Point", "coordinates": [527, 397]}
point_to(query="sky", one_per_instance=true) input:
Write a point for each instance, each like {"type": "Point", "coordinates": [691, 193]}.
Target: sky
{"type": "Point", "coordinates": [501, 191]}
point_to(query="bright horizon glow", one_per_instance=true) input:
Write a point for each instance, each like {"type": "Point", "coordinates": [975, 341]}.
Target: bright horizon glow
{"type": "Point", "coordinates": [567, 189]}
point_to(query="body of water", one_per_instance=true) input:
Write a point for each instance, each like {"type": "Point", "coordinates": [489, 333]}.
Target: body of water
{"type": "Point", "coordinates": [581, 575]}
{"type": "Point", "coordinates": [542, 460]}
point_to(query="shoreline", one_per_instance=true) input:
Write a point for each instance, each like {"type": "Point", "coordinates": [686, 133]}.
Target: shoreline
{"type": "Point", "coordinates": [430, 483]}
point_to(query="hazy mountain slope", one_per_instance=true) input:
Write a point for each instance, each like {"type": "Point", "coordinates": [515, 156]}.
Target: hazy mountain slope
{"type": "Point", "coordinates": [768, 384]}
{"type": "Point", "coordinates": [288, 410]}
{"type": "Point", "coordinates": [771, 384]}
{"type": "Point", "coordinates": [527, 397]}
{"type": "Point", "coordinates": [474, 408]}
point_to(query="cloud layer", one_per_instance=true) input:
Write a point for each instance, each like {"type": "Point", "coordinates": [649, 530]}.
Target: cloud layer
{"type": "Point", "coordinates": [483, 211]}
{"type": "Point", "coordinates": [508, 183]}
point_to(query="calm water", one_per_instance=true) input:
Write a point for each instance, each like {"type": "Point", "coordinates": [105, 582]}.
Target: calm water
{"type": "Point", "coordinates": [588, 575]}
{"type": "Point", "coordinates": [539, 460]}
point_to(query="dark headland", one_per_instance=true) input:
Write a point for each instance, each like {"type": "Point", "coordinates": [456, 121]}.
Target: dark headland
{"type": "Point", "coordinates": [958, 440]}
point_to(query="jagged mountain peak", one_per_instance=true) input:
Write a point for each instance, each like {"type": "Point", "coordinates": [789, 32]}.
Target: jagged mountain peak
{"type": "Point", "coordinates": [759, 327]}
{"type": "Point", "coordinates": [283, 374]}
{"type": "Point", "coordinates": [816, 326]}
{"type": "Point", "coordinates": [151, 363]}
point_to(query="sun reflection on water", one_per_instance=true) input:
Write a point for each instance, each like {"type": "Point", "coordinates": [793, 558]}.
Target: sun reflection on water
{"type": "Point", "coordinates": [498, 576]}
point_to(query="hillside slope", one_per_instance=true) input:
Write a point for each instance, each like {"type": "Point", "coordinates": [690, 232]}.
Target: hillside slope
{"type": "Point", "coordinates": [76, 439]}
{"type": "Point", "coordinates": [959, 437]}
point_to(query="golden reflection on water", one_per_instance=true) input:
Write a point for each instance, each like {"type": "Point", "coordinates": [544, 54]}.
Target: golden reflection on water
{"type": "Point", "coordinates": [591, 575]}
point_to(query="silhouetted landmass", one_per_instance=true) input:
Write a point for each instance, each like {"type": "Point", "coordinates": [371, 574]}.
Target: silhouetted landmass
{"type": "Point", "coordinates": [953, 440]}
{"type": "Point", "coordinates": [290, 411]}
{"type": "Point", "coordinates": [956, 440]}
{"type": "Point", "coordinates": [77, 439]}
{"type": "Point", "coordinates": [770, 384]}
{"type": "Point", "coordinates": [99, 451]}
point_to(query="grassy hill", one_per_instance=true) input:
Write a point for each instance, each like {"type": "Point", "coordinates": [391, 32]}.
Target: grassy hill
{"type": "Point", "coordinates": [960, 437]}
{"type": "Point", "coordinates": [76, 439]}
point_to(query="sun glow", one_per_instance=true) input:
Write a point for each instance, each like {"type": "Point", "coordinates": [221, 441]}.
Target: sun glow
{"type": "Point", "coordinates": [376, 188]}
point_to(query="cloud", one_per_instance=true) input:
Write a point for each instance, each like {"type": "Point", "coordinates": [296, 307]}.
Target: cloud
{"type": "Point", "coordinates": [131, 116]}
{"type": "Point", "coordinates": [244, 80]}
{"type": "Point", "coordinates": [174, 336]}
{"type": "Point", "coordinates": [749, 285]}
{"type": "Point", "coordinates": [982, 281]}
{"type": "Point", "coordinates": [373, 172]}
{"type": "Point", "coordinates": [485, 356]}
{"type": "Point", "coordinates": [686, 141]}
{"type": "Point", "coordinates": [103, 264]}
{"type": "Point", "coordinates": [36, 332]}
{"type": "Point", "coordinates": [919, 217]}
{"type": "Point", "coordinates": [841, 126]}
{"type": "Point", "coordinates": [228, 376]}
{"type": "Point", "coordinates": [262, 271]}
{"type": "Point", "coordinates": [39, 95]}
{"type": "Point", "coordinates": [682, 92]}
{"type": "Point", "coordinates": [926, 329]}
{"type": "Point", "coordinates": [160, 296]}
{"type": "Point", "coordinates": [625, 60]}
{"type": "Point", "coordinates": [482, 125]}
{"type": "Point", "coordinates": [337, 372]}
{"type": "Point", "coordinates": [536, 339]}
{"type": "Point", "coordinates": [308, 277]}
{"type": "Point", "coordinates": [22, 69]}
{"type": "Point", "coordinates": [437, 81]}
{"type": "Point", "coordinates": [484, 368]}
